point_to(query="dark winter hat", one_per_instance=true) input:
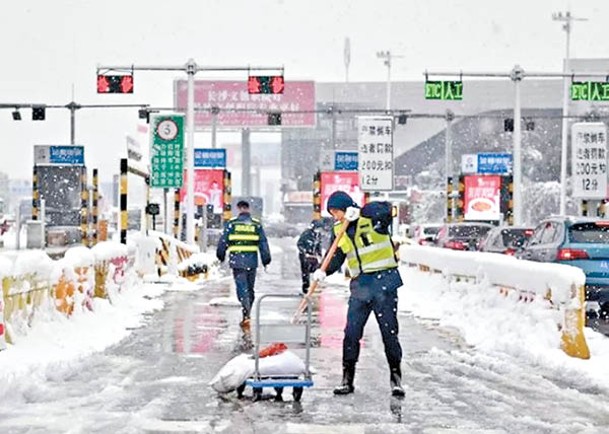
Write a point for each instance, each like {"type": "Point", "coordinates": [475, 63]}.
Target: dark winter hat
{"type": "Point", "coordinates": [243, 204]}
{"type": "Point", "coordinates": [317, 224]}
{"type": "Point", "coordinates": [340, 200]}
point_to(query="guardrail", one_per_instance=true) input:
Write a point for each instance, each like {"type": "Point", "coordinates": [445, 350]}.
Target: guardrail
{"type": "Point", "coordinates": [561, 286]}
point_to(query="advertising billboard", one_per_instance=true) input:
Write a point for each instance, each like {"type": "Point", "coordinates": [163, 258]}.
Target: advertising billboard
{"type": "Point", "coordinates": [239, 108]}
{"type": "Point", "coordinates": [345, 181]}
{"type": "Point", "coordinates": [208, 188]}
{"type": "Point", "coordinates": [482, 197]}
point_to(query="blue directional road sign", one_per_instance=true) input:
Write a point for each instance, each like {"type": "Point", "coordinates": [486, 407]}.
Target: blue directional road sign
{"type": "Point", "coordinates": [346, 161]}
{"type": "Point", "coordinates": [495, 163]}
{"type": "Point", "coordinates": [210, 158]}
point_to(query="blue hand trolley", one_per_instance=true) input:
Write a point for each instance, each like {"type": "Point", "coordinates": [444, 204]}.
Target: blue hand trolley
{"type": "Point", "coordinates": [287, 333]}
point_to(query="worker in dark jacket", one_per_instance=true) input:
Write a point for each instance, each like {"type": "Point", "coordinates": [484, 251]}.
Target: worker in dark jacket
{"type": "Point", "coordinates": [309, 252]}
{"type": "Point", "coordinates": [244, 239]}
{"type": "Point", "coordinates": [371, 261]}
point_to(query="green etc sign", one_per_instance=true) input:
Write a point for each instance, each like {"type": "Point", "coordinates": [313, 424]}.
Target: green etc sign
{"type": "Point", "coordinates": [444, 90]}
{"type": "Point", "coordinates": [590, 91]}
{"type": "Point", "coordinates": [167, 151]}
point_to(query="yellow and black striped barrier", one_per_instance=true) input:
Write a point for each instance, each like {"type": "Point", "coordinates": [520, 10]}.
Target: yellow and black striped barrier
{"type": "Point", "coordinates": [95, 204]}
{"type": "Point", "coordinates": [124, 218]}
{"type": "Point", "coordinates": [317, 196]}
{"type": "Point", "coordinates": [84, 207]}
{"type": "Point", "coordinates": [35, 194]}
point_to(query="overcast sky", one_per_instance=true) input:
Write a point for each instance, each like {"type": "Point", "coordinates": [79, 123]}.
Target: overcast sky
{"type": "Point", "coordinates": [51, 48]}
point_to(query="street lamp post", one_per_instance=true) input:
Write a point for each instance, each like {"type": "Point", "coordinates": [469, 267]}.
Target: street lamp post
{"type": "Point", "coordinates": [387, 56]}
{"type": "Point", "coordinates": [566, 18]}
{"type": "Point", "coordinates": [517, 75]}
{"type": "Point", "coordinates": [448, 167]}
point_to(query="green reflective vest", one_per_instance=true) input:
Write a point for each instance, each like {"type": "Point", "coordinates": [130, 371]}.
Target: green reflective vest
{"type": "Point", "coordinates": [371, 252]}
{"type": "Point", "coordinates": [243, 236]}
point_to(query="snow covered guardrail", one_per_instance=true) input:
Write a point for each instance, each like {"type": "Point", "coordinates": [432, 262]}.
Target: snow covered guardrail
{"type": "Point", "coordinates": [559, 287]}
{"type": "Point", "coordinates": [34, 284]}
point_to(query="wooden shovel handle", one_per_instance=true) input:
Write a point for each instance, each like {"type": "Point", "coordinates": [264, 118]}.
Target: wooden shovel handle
{"type": "Point", "coordinates": [323, 267]}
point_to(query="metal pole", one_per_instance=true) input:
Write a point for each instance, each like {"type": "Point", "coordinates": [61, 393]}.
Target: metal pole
{"type": "Point", "coordinates": [72, 123]}
{"type": "Point", "coordinates": [166, 211]}
{"type": "Point", "coordinates": [567, 19]}
{"type": "Point", "coordinates": [565, 125]}
{"type": "Point", "coordinates": [191, 68]}
{"type": "Point", "coordinates": [18, 225]}
{"type": "Point", "coordinates": [333, 129]}
{"type": "Point", "coordinates": [449, 164]}
{"type": "Point", "coordinates": [517, 75]}
{"type": "Point", "coordinates": [246, 162]}
{"type": "Point", "coordinates": [214, 125]}
{"type": "Point", "coordinates": [388, 63]}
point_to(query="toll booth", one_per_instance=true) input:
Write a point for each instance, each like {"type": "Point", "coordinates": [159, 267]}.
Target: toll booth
{"type": "Point", "coordinates": [60, 182]}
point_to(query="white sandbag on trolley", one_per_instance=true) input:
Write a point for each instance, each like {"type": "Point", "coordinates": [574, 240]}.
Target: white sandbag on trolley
{"type": "Point", "coordinates": [233, 374]}
{"type": "Point", "coordinates": [240, 368]}
{"type": "Point", "coordinates": [282, 365]}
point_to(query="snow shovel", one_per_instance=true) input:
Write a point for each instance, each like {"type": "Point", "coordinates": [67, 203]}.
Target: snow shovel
{"type": "Point", "coordinates": [324, 265]}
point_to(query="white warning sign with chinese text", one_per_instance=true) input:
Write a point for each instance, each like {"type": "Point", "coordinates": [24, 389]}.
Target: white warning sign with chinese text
{"type": "Point", "coordinates": [589, 160]}
{"type": "Point", "coordinates": [375, 149]}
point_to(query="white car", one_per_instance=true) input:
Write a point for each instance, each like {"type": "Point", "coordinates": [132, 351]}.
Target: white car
{"type": "Point", "coordinates": [425, 234]}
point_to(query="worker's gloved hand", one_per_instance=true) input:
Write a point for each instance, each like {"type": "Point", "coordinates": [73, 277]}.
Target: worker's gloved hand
{"type": "Point", "coordinates": [352, 213]}
{"type": "Point", "coordinates": [319, 275]}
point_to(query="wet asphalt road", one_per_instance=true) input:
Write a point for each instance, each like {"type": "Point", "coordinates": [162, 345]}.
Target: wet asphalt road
{"type": "Point", "coordinates": [157, 379]}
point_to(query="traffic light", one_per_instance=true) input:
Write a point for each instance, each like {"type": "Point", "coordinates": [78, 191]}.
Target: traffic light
{"type": "Point", "coordinates": [274, 119]}
{"type": "Point", "coordinates": [402, 119]}
{"type": "Point", "coordinates": [38, 113]}
{"type": "Point", "coordinates": [144, 114]}
{"type": "Point", "coordinates": [115, 84]}
{"type": "Point", "coordinates": [265, 84]}
{"type": "Point", "coordinates": [508, 125]}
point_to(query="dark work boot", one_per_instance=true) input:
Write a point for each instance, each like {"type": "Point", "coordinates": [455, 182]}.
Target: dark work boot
{"type": "Point", "coordinates": [346, 387]}
{"type": "Point", "coordinates": [395, 380]}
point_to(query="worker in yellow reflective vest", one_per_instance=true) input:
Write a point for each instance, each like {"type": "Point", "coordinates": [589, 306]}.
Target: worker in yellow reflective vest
{"type": "Point", "coordinates": [373, 267]}
{"type": "Point", "coordinates": [244, 239]}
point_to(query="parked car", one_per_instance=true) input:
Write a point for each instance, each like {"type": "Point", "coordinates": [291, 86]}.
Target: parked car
{"type": "Point", "coordinates": [425, 234]}
{"type": "Point", "coordinates": [461, 236]}
{"type": "Point", "coordinates": [505, 239]}
{"type": "Point", "coordinates": [582, 242]}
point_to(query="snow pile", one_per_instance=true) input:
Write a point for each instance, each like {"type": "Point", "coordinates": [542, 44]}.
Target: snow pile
{"type": "Point", "coordinates": [54, 340]}
{"type": "Point", "coordinates": [496, 324]}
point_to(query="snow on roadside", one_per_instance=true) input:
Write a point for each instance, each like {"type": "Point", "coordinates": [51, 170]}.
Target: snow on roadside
{"type": "Point", "coordinates": [495, 324]}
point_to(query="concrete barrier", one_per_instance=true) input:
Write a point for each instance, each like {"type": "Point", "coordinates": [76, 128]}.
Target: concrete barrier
{"type": "Point", "coordinates": [561, 285]}
{"type": "Point", "coordinates": [32, 280]}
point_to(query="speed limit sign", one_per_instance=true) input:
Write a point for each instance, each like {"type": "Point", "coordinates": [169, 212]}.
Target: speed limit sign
{"type": "Point", "coordinates": [167, 129]}
{"type": "Point", "coordinates": [167, 151]}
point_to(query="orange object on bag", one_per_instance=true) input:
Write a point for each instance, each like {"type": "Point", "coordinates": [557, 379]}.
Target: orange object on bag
{"type": "Point", "coordinates": [273, 349]}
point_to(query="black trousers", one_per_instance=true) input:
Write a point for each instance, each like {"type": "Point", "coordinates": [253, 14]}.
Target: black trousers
{"type": "Point", "coordinates": [308, 265]}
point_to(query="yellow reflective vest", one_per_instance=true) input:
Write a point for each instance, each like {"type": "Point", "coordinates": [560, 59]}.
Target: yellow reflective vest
{"type": "Point", "coordinates": [243, 236]}
{"type": "Point", "coordinates": [371, 251]}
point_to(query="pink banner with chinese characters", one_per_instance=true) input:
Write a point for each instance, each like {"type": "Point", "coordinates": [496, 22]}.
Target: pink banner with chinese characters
{"type": "Point", "coordinates": [240, 109]}
{"type": "Point", "coordinates": [482, 196]}
{"type": "Point", "coordinates": [209, 188]}
{"type": "Point", "coordinates": [344, 181]}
